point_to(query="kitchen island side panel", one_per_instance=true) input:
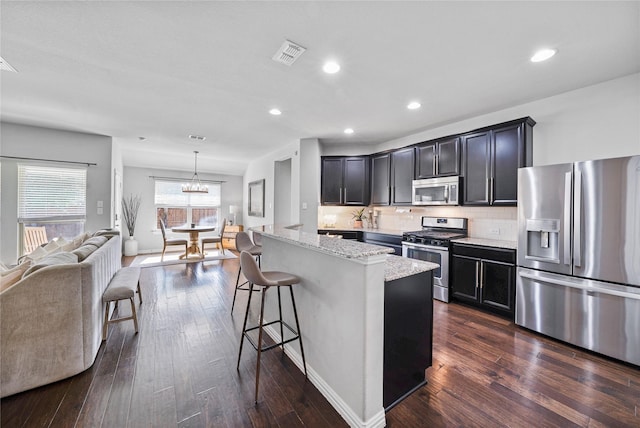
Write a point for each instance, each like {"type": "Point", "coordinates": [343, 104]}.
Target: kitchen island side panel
{"type": "Point", "coordinates": [340, 304]}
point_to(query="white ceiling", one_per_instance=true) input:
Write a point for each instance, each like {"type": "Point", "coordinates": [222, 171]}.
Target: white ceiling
{"type": "Point", "coordinates": [164, 70]}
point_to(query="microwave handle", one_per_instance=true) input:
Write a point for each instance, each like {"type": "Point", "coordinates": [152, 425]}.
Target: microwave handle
{"type": "Point", "coordinates": [446, 193]}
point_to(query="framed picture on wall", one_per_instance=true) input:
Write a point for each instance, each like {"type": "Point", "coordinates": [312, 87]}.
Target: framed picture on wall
{"type": "Point", "coordinates": [256, 198]}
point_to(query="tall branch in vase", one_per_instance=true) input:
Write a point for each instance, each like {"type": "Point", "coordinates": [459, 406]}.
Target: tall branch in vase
{"type": "Point", "coordinates": [130, 208]}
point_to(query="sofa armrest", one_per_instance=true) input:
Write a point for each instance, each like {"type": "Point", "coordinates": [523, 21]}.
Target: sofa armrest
{"type": "Point", "coordinates": [41, 329]}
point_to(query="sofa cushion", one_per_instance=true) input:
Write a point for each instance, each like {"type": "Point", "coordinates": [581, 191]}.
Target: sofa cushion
{"type": "Point", "coordinates": [98, 241]}
{"type": "Point", "coordinates": [51, 260]}
{"type": "Point", "coordinates": [84, 251]}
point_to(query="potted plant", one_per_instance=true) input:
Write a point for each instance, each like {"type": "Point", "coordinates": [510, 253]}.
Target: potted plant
{"type": "Point", "coordinates": [130, 208]}
{"type": "Point", "coordinates": [358, 216]}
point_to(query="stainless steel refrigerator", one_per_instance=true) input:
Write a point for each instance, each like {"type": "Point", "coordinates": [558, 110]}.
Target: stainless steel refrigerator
{"type": "Point", "coordinates": [579, 254]}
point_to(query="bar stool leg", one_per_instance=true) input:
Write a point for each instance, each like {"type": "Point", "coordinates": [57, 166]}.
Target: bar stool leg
{"type": "Point", "coordinates": [264, 293]}
{"type": "Point", "coordinates": [106, 322]}
{"type": "Point", "coordinates": [236, 290]}
{"type": "Point", "coordinates": [295, 314]}
{"type": "Point", "coordinates": [244, 325]}
{"type": "Point", "coordinates": [281, 328]}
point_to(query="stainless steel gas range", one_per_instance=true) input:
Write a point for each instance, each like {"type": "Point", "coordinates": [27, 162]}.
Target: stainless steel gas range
{"type": "Point", "coordinates": [431, 244]}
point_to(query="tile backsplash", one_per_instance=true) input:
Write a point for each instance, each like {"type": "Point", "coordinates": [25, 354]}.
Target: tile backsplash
{"type": "Point", "coordinates": [484, 222]}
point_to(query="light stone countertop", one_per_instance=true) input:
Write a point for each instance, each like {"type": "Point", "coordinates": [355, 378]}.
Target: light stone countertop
{"type": "Point", "coordinates": [512, 245]}
{"type": "Point", "coordinates": [395, 232]}
{"type": "Point", "coordinates": [332, 245]}
{"type": "Point", "coordinates": [399, 267]}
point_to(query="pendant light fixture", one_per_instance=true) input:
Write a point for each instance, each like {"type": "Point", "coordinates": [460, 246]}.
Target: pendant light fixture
{"type": "Point", "coordinates": [194, 186]}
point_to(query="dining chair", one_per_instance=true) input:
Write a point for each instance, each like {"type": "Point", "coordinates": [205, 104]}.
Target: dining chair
{"type": "Point", "coordinates": [257, 238]}
{"type": "Point", "coordinates": [214, 239]}
{"type": "Point", "coordinates": [169, 242]}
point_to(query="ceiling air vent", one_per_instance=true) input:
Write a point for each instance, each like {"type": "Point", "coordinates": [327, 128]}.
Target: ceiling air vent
{"type": "Point", "coordinates": [288, 53]}
{"type": "Point", "coordinates": [4, 65]}
{"type": "Point", "coordinates": [197, 137]}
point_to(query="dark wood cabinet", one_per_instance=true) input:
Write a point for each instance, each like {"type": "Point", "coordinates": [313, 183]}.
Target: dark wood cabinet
{"type": "Point", "coordinates": [345, 180]}
{"type": "Point", "coordinates": [392, 177]}
{"type": "Point", "coordinates": [380, 183]}
{"type": "Point", "coordinates": [438, 158]}
{"type": "Point", "coordinates": [490, 161]}
{"type": "Point", "coordinates": [402, 166]}
{"type": "Point", "coordinates": [484, 277]}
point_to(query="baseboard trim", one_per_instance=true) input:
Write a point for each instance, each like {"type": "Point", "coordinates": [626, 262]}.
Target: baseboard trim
{"type": "Point", "coordinates": [376, 421]}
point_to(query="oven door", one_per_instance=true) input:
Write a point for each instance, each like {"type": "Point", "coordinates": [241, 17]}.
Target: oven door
{"type": "Point", "coordinates": [439, 255]}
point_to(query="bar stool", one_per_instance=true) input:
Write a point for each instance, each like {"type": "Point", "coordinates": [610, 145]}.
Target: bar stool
{"type": "Point", "coordinates": [267, 280]}
{"type": "Point", "coordinates": [244, 243]}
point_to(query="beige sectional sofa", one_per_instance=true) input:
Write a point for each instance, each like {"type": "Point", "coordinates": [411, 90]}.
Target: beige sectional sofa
{"type": "Point", "coordinates": [51, 319]}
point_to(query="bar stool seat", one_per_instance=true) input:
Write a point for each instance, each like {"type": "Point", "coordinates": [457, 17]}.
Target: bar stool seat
{"type": "Point", "coordinates": [244, 243]}
{"type": "Point", "coordinates": [267, 280]}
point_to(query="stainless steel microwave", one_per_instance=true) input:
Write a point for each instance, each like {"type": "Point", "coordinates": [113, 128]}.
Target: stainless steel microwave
{"type": "Point", "coordinates": [436, 191]}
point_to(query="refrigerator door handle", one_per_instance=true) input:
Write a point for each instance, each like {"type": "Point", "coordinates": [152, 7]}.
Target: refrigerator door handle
{"type": "Point", "coordinates": [594, 289]}
{"type": "Point", "coordinates": [577, 220]}
{"type": "Point", "coordinates": [566, 242]}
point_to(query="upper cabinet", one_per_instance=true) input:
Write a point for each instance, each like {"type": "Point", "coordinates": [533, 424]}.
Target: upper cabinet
{"type": "Point", "coordinates": [402, 165]}
{"type": "Point", "coordinates": [392, 177]}
{"type": "Point", "coordinates": [490, 162]}
{"type": "Point", "coordinates": [438, 158]}
{"type": "Point", "coordinates": [345, 180]}
{"type": "Point", "coordinates": [380, 182]}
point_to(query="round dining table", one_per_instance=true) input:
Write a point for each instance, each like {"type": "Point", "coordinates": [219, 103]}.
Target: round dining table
{"type": "Point", "coordinates": [194, 231]}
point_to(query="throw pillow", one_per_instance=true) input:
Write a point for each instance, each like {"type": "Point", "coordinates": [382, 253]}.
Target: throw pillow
{"type": "Point", "coordinates": [51, 260]}
{"type": "Point", "coordinates": [36, 254]}
{"type": "Point", "coordinates": [61, 241]}
{"type": "Point", "coordinates": [7, 281]}
{"type": "Point", "coordinates": [84, 251]}
{"type": "Point", "coordinates": [69, 246]}
{"type": "Point", "coordinates": [51, 246]}
{"type": "Point", "coordinates": [18, 268]}
{"type": "Point", "coordinates": [98, 241]}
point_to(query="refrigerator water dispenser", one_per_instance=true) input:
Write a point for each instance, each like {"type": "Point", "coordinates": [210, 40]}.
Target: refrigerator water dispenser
{"type": "Point", "coordinates": [543, 240]}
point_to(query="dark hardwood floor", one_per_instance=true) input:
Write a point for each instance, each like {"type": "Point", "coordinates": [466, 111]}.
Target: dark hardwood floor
{"type": "Point", "coordinates": [179, 371]}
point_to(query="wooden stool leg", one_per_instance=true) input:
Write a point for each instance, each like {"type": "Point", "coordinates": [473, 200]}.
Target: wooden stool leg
{"type": "Point", "coordinates": [133, 313]}
{"type": "Point", "coordinates": [106, 322]}
{"type": "Point", "coordinates": [139, 292]}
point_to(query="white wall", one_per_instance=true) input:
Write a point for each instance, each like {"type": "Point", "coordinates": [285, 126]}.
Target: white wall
{"type": "Point", "coordinates": [263, 168]}
{"type": "Point", "coordinates": [45, 143]}
{"type": "Point", "coordinates": [599, 121]}
{"type": "Point", "coordinates": [310, 152]}
{"type": "Point", "coordinates": [137, 181]}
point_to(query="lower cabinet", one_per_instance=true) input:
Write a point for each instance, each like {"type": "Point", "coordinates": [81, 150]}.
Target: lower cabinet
{"type": "Point", "coordinates": [345, 234]}
{"type": "Point", "coordinates": [484, 277]}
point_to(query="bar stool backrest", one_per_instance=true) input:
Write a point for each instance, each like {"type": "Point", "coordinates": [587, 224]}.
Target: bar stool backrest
{"type": "Point", "coordinates": [243, 242]}
{"type": "Point", "coordinates": [251, 270]}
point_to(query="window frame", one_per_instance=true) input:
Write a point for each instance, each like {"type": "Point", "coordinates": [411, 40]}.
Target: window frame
{"type": "Point", "coordinates": [189, 206]}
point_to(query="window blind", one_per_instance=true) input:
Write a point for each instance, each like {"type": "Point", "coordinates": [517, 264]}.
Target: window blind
{"type": "Point", "coordinates": [51, 193]}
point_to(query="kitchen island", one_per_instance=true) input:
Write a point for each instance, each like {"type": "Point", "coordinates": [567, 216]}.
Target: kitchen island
{"type": "Point", "coordinates": [365, 316]}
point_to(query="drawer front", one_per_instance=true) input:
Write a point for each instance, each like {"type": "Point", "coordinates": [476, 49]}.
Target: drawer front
{"type": "Point", "coordinates": [485, 253]}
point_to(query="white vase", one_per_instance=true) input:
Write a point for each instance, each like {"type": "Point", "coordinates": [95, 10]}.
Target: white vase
{"type": "Point", "coordinates": [130, 247]}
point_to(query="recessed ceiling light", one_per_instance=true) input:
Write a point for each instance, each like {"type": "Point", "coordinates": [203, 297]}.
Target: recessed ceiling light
{"type": "Point", "coordinates": [413, 105]}
{"type": "Point", "coordinates": [275, 112]}
{"type": "Point", "coordinates": [348, 131]}
{"type": "Point", "coordinates": [331, 67]}
{"type": "Point", "coordinates": [543, 55]}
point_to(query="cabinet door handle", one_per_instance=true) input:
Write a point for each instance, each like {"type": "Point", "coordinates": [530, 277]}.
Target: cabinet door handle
{"type": "Point", "coordinates": [435, 165]}
{"type": "Point", "coordinates": [477, 274]}
{"type": "Point", "coordinates": [481, 276]}
{"type": "Point", "coordinates": [341, 200]}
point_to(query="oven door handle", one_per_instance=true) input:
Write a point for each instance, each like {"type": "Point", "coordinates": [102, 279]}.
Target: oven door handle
{"type": "Point", "coordinates": [423, 247]}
